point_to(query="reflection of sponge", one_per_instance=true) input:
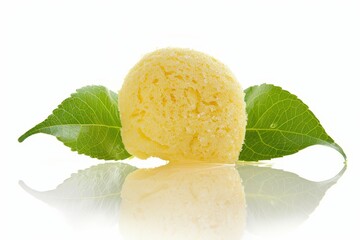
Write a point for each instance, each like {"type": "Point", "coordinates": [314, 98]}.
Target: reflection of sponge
{"type": "Point", "coordinates": [195, 201]}
{"type": "Point", "coordinates": [182, 105]}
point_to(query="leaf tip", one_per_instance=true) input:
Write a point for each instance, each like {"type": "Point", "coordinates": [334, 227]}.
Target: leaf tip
{"type": "Point", "coordinates": [340, 150]}
{"type": "Point", "coordinates": [28, 189]}
{"type": "Point", "coordinates": [23, 185]}
{"type": "Point", "coordinates": [25, 136]}
{"type": "Point", "coordinates": [22, 138]}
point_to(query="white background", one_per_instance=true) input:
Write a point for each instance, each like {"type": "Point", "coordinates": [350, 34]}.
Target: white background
{"type": "Point", "coordinates": [50, 48]}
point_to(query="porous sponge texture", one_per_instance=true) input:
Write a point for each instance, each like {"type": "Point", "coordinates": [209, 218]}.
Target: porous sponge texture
{"type": "Point", "coordinates": [182, 105]}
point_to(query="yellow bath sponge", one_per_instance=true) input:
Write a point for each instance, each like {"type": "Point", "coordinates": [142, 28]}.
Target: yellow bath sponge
{"type": "Point", "coordinates": [182, 105]}
{"type": "Point", "coordinates": [195, 201]}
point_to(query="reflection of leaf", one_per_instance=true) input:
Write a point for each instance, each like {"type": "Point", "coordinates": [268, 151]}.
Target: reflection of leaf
{"type": "Point", "coordinates": [279, 124]}
{"type": "Point", "coordinates": [88, 122]}
{"type": "Point", "coordinates": [92, 192]}
{"type": "Point", "coordinates": [277, 200]}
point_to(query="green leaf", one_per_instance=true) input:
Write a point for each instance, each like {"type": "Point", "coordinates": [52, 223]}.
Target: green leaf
{"type": "Point", "coordinates": [88, 194]}
{"type": "Point", "coordinates": [88, 122]}
{"type": "Point", "coordinates": [279, 124]}
{"type": "Point", "coordinates": [278, 200]}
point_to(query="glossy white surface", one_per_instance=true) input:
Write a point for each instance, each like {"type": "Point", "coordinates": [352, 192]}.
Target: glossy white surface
{"type": "Point", "coordinates": [50, 48]}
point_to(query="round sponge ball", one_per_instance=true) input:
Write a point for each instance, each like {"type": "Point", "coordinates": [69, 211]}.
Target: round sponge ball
{"type": "Point", "coordinates": [183, 106]}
